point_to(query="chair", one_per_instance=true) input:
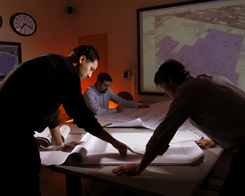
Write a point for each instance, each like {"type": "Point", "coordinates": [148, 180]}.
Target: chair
{"type": "Point", "coordinates": [125, 95]}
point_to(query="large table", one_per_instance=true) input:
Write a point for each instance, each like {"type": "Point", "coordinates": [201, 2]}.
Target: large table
{"type": "Point", "coordinates": [155, 180]}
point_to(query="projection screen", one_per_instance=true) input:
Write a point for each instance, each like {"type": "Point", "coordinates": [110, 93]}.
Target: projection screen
{"type": "Point", "coordinates": [206, 37]}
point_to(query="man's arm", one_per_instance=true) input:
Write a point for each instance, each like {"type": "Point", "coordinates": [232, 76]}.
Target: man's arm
{"type": "Point", "coordinates": [56, 136]}
{"type": "Point", "coordinates": [135, 169]}
{"type": "Point", "coordinates": [122, 148]}
{"type": "Point", "coordinates": [143, 106]}
{"type": "Point", "coordinates": [75, 107]}
{"type": "Point", "coordinates": [125, 103]}
{"type": "Point", "coordinates": [58, 141]}
{"type": "Point", "coordinates": [179, 111]}
{"type": "Point", "coordinates": [103, 135]}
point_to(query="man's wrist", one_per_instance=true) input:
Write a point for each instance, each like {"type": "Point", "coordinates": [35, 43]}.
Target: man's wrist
{"type": "Point", "coordinates": [113, 141]}
{"type": "Point", "coordinates": [60, 145]}
{"type": "Point", "coordinates": [140, 168]}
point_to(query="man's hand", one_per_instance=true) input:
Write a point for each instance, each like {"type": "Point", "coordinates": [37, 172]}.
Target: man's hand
{"type": "Point", "coordinates": [206, 143]}
{"type": "Point", "coordinates": [121, 147]}
{"type": "Point", "coordinates": [143, 106]}
{"type": "Point", "coordinates": [129, 169]}
{"type": "Point", "coordinates": [67, 146]}
{"type": "Point", "coordinates": [119, 107]}
{"type": "Point", "coordinates": [134, 169]}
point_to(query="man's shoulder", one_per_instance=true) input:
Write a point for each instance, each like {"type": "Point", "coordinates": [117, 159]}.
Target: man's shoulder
{"type": "Point", "coordinates": [203, 83]}
{"type": "Point", "coordinates": [210, 80]}
{"type": "Point", "coordinates": [50, 55]}
{"type": "Point", "coordinates": [194, 85]}
{"type": "Point", "coordinates": [198, 81]}
{"type": "Point", "coordinates": [90, 90]}
{"type": "Point", "coordinates": [110, 91]}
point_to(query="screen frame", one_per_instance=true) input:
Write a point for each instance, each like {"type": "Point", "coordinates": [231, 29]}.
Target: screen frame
{"type": "Point", "coordinates": [139, 47]}
{"type": "Point", "coordinates": [14, 44]}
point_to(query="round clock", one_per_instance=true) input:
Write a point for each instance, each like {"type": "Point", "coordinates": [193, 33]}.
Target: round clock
{"type": "Point", "coordinates": [23, 24]}
{"type": "Point", "coordinates": [1, 21]}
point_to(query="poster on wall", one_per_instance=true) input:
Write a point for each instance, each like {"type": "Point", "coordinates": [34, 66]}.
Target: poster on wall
{"type": "Point", "coordinates": [10, 57]}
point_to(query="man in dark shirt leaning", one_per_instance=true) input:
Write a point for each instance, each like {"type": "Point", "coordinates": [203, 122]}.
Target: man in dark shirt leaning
{"type": "Point", "coordinates": [214, 105]}
{"type": "Point", "coordinates": [30, 97]}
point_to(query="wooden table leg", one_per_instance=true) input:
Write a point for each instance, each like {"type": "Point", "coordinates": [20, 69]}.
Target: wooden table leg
{"type": "Point", "coordinates": [73, 185]}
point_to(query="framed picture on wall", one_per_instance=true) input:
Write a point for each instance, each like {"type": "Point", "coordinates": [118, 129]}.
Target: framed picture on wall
{"type": "Point", "coordinates": [10, 57]}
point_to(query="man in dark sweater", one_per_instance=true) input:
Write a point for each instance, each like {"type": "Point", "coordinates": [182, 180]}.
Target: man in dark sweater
{"type": "Point", "coordinates": [214, 105]}
{"type": "Point", "coordinates": [30, 97]}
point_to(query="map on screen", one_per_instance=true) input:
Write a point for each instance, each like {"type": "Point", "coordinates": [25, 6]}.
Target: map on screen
{"type": "Point", "coordinates": [205, 37]}
{"type": "Point", "coordinates": [10, 57]}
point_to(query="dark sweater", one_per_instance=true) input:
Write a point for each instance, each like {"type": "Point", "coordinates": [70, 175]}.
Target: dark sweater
{"type": "Point", "coordinates": [213, 104]}
{"type": "Point", "coordinates": [31, 94]}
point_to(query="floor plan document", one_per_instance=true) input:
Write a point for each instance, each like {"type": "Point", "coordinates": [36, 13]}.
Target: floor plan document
{"type": "Point", "coordinates": [137, 117]}
{"type": "Point", "coordinates": [93, 151]}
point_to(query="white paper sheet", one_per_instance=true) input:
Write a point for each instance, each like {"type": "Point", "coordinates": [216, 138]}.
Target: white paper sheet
{"type": "Point", "coordinates": [102, 153]}
{"type": "Point", "coordinates": [183, 149]}
{"type": "Point", "coordinates": [134, 117]}
{"type": "Point", "coordinates": [99, 152]}
{"type": "Point", "coordinates": [50, 157]}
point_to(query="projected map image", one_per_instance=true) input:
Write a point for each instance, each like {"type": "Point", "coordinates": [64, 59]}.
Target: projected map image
{"type": "Point", "coordinates": [206, 39]}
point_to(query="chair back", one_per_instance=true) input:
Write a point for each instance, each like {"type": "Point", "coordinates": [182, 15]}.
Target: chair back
{"type": "Point", "coordinates": [126, 95]}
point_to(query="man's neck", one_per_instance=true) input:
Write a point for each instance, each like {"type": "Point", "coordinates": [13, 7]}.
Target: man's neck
{"type": "Point", "coordinates": [96, 86]}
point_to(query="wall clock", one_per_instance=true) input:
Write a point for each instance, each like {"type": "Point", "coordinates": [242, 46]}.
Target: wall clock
{"type": "Point", "coordinates": [1, 21]}
{"type": "Point", "coordinates": [23, 24]}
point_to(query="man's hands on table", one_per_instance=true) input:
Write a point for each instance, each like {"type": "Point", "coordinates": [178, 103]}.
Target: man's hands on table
{"type": "Point", "coordinates": [129, 169]}
{"type": "Point", "coordinates": [135, 169]}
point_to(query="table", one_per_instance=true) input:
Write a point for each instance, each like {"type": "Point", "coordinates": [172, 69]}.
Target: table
{"type": "Point", "coordinates": [155, 180]}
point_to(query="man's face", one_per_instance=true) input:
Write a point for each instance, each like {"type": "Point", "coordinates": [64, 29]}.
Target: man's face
{"type": "Point", "coordinates": [169, 89]}
{"type": "Point", "coordinates": [103, 87]}
{"type": "Point", "coordinates": [86, 69]}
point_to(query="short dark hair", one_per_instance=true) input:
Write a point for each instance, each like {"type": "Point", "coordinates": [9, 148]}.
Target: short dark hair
{"type": "Point", "coordinates": [104, 77]}
{"type": "Point", "coordinates": [88, 51]}
{"type": "Point", "coordinates": [171, 69]}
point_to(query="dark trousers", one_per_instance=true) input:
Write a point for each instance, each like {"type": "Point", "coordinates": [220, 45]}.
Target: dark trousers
{"type": "Point", "coordinates": [22, 165]}
{"type": "Point", "coordinates": [234, 184]}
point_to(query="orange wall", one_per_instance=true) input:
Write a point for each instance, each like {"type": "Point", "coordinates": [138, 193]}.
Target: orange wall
{"type": "Point", "coordinates": [119, 18]}
{"type": "Point", "coordinates": [58, 32]}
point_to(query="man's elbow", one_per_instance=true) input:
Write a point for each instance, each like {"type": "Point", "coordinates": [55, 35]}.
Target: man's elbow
{"type": "Point", "coordinates": [95, 112]}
